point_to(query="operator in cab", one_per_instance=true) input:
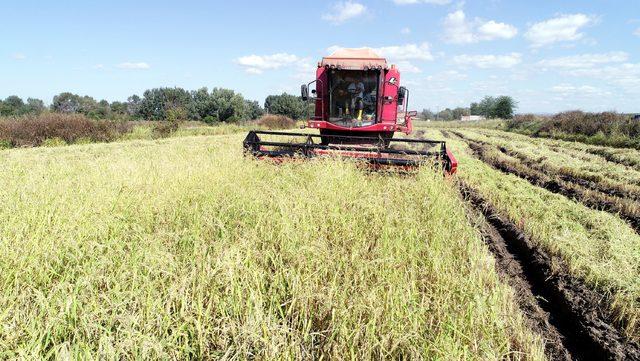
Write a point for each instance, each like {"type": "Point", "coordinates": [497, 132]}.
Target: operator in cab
{"type": "Point", "coordinates": [356, 91]}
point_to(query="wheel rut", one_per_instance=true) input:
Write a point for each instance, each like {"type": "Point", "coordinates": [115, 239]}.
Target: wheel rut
{"type": "Point", "coordinates": [573, 318]}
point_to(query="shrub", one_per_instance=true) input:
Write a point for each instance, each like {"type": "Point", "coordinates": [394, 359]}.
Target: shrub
{"type": "Point", "coordinates": [164, 129]}
{"type": "Point", "coordinates": [34, 130]}
{"type": "Point", "coordinates": [53, 142]}
{"type": "Point", "coordinates": [607, 128]}
{"type": "Point", "coordinates": [271, 121]}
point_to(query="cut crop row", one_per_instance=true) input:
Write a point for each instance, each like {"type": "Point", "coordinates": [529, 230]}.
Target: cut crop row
{"type": "Point", "coordinates": [628, 209]}
{"type": "Point", "coordinates": [586, 169]}
{"type": "Point", "coordinates": [597, 248]}
{"type": "Point", "coordinates": [623, 156]}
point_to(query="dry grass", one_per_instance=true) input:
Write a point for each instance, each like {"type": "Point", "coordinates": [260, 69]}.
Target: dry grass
{"type": "Point", "coordinates": [181, 248]}
{"type": "Point", "coordinates": [271, 121]}
{"type": "Point", "coordinates": [34, 130]}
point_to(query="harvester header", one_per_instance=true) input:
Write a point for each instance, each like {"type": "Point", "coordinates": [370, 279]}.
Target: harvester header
{"type": "Point", "coordinates": [358, 106]}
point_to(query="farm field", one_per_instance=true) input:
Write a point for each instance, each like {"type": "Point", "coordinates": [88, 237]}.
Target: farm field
{"type": "Point", "coordinates": [181, 247]}
{"type": "Point", "coordinates": [585, 224]}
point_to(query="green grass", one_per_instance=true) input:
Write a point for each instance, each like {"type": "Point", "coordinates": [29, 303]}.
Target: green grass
{"type": "Point", "coordinates": [597, 247]}
{"type": "Point", "coordinates": [180, 248]}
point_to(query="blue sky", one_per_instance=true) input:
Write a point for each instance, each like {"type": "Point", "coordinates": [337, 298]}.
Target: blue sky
{"type": "Point", "coordinates": [550, 55]}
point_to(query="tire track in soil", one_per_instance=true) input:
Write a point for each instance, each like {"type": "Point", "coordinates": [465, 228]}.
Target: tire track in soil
{"type": "Point", "coordinates": [572, 189]}
{"type": "Point", "coordinates": [510, 270]}
{"type": "Point", "coordinates": [573, 319]}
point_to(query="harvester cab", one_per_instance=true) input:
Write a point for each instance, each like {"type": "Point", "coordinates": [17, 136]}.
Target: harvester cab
{"type": "Point", "coordinates": [358, 105]}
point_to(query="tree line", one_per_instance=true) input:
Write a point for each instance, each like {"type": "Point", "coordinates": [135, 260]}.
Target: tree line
{"type": "Point", "coordinates": [502, 107]}
{"type": "Point", "coordinates": [210, 106]}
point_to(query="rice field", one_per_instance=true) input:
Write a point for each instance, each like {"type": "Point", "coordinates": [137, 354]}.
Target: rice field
{"type": "Point", "coordinates": [183, 248]}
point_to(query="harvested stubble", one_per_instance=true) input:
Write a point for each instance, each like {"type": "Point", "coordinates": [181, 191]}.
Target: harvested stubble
{"type": "Point", "coordinates": [181, 248]}
{"type": "Point", "coordinates": [596, 246]}
{"type": "Point", "coordinates": [624, 156]}
{"type": "Point", "coordinates": [603, 175]}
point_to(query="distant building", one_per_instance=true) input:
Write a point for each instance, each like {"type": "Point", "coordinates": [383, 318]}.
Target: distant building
{"type": "Point", "coordinates": [472, 118]}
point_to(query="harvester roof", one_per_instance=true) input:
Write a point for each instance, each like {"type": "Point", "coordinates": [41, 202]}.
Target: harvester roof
{"type": "Point", "coordinates": [354, 59]}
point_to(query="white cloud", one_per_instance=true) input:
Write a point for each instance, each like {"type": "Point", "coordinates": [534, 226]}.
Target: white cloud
{"type": "Point", "coordinates": [305, 70]}
{"type": "Point", "coordinates": [344, 11]}
{"type": "Point", "coordinates": [626, 76]}
{"type": "Point", "coordinates": [637, 32]}
{"type": "Point", "coordinates": [406, 52]}
{"type": "Point", "coordinates": [406, 67]}
{"type": "Point", "coordinates": [457, 29]}
{"type": "Point", "coordinates": [489, 61]}
{"type": "Point", "coordinates": [18, 56]}
{"type": "Point", "coordinates": [256, 64]}
{"type": "Point", "coordinates": [561, 28]}
{"type": "Point", "coordinates": [398, 52]}
{"type": "Point", "coordinates": [447, 76]}
{"type": "Point", "coordinates": [405, 31]}
{"type": "Point", "coordinates": [134, 66]}
{"type": "Point", "coordinates": [460, 30]}
{"type": "Point", "coordinates": [570, 89]}
{"type": "Point", "coordinates": [98, 66]}
{"type": "Point", "coordinates": [493, 30]}
{"type": "Point", "coordinates": [253, 71]}
{"type": "Point", "coordinates": [434, 2]}
{"type": "Point", "coordinates": [585, 60]}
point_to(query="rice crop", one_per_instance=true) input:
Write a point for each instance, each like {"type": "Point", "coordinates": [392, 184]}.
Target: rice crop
{"type": "Point", "coordinates": [182, 248]}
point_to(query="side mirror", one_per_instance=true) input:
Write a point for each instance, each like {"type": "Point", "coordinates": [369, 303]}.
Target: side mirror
{"type": "Point", "coordinates": [402, 92]}
{"type": "Point", "coordinates": [304, 90]}
{"type": "Point", "coordinates": [412, 114]}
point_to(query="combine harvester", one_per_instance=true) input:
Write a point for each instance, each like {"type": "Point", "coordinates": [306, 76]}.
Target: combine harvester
{"type": "Point", "coordinates": [359, 105]}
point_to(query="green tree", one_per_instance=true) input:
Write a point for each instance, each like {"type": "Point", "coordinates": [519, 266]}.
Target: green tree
{"type": "Point", "coordinates": [252, 109]}
{"type": "Point", "coordinates": [228, 105]}
{"type": "Point", "coordinates": [34, 106]}
{"type": "Point", "coordinates": [202, 107]}
{"type": "Point", "coordinates": [487, 106]}
{"type": "Point", "coordinates": [458, 112]}
{"type": "Point", "coordinates": [474, 109]}
{"type": "Point", "coordinates": [66, 103]}
{"type": "Point", "coordinates": [504, 107]}
{"type": "Point", "coordinates": [445, 114]}
{"type": "Point", "coordinates": [156, 102]}
{"type": "Point", "coordinates": [427, 114]}
{"type": "Point", "coordinates": [12, 105]}
{"type": "Point", "coordinates": [286, 104]}
{"type": "Point", "coordinates": [118, 108]}
{"type": "Point", "coordinates": [97, 110]}
{"type": "Point", "coordinates": [133, 106]}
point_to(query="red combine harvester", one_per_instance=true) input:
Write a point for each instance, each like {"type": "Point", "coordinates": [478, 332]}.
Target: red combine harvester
{"type": "Point", "coordinates": [359, 105]}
